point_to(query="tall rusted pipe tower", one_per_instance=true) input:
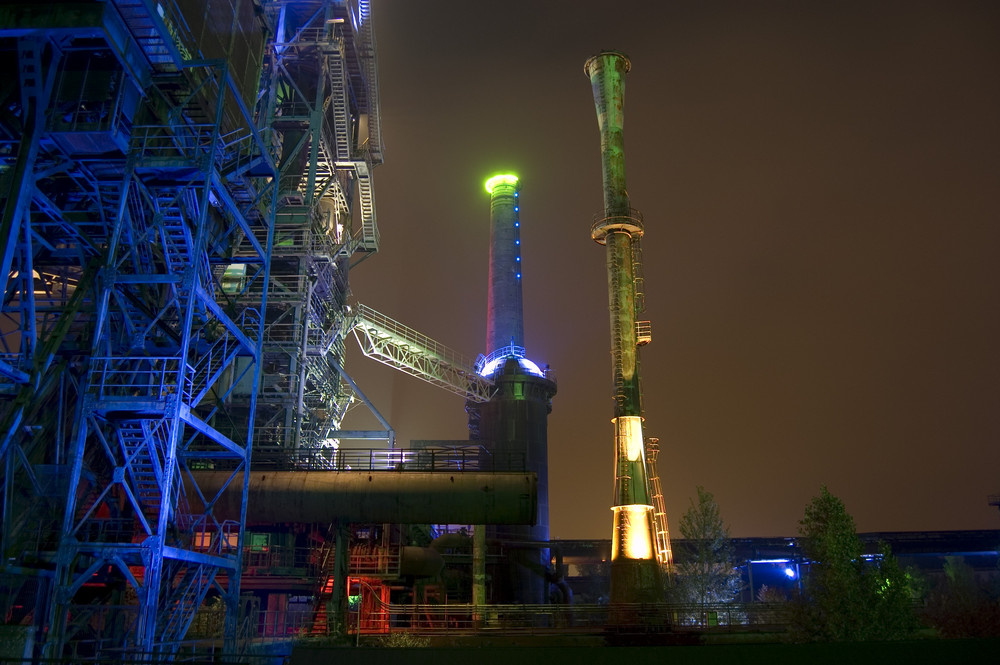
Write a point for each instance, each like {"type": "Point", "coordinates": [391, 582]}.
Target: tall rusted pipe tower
{"type": "Point", "coordinates": [635, 573]}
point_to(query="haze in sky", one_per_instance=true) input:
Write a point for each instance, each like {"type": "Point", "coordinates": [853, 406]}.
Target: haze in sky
{"type": "Point", "coordinates": [820, 184]}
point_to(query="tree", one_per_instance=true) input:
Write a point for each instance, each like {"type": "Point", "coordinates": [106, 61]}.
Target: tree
{"type": "Point", "coordinates": [847, 598]}
{"type": "Point", "coordinates": [705, 571]}
{"type": "Point", "coordinates": [961, 605]}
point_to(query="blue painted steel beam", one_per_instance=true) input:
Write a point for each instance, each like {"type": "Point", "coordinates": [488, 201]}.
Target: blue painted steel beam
{"type": "Point", "coordinates": [12, 373]}
{"type": "Point", "coordinates": [213, 434]}
{"type": "Point", "coordinates": [227, 562]}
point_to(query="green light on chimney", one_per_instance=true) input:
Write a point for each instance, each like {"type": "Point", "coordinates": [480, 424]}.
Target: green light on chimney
{"type": "Point", "coordinates": [505, 179]}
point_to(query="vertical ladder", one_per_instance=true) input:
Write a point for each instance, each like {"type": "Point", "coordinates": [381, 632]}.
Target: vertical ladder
{"type": "Point", "coordinates": [637, 276]}
{"type": "Point", "coordinates": [664, 554]}
{"type": "Point", "coordinates": [616, 351]}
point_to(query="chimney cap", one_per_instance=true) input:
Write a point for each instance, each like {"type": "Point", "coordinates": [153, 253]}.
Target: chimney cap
{"type": "Point", "coordinates": [502, 179]}
{"type": "Point", "coordinates": [609, 52]}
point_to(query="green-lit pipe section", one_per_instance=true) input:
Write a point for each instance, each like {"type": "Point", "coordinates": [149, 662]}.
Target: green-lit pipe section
{"type": "Point", "coordinates": [635, 574]}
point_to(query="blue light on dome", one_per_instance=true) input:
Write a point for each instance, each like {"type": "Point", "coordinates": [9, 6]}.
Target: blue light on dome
{"type": "Point", "coordinates": [530, 367]}
{"type": "Point", "coordinates": [490, 364]}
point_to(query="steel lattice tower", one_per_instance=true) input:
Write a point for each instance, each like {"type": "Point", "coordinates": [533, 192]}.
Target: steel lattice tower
{"type": "Point", "coordinates": [145, 229]}
{"type": "Point", "coordinates": [323, 105]}
{"type": "Point", "coordinates": [138, 164]}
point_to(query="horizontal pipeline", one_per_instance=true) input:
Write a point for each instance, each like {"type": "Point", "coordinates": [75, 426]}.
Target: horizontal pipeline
{"type": "Point", "coordinates": [362, 497]}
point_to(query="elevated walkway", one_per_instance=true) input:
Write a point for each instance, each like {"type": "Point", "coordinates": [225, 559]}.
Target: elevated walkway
{"type": "Point", "coordinates": [403, 348]}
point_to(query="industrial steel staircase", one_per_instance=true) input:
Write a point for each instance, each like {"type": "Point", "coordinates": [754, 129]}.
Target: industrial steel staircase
{"type": "Point", "coordinates": [140, 449]}
{"type": "Point", "coordinates": [324, 590]}
{"type": "Point", "coordinates": [150, 31]}
{"type": "Point", "coordinates": [369, 238]}
{"type": "Point", "coordinates": [174, 235]}
{"type": "Point", "coordinates": [203, 375]}
{"type": "Point", "coordinates": [338, 104]}
{"type": "Point", "coordinates": [366, 53]}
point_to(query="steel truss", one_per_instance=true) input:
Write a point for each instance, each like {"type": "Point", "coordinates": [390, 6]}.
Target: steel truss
{"type": "Point", "coordinates": [133, 170]}
{"type": "Point", "coordinates": [396, 345]}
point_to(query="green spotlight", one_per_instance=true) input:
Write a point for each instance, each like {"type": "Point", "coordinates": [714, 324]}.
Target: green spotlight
{"type": "Point", "coordinates": [505, 179]}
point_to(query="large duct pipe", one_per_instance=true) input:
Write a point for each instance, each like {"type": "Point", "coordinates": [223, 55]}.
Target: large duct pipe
{"type": "Point", "coordinates": [410, 497]}
{"type": "Point", "coordinates": [635, 573]}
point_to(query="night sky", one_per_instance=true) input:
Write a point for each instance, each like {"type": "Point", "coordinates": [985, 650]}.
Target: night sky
{"type": "Point", "coordinates": [820, 183]}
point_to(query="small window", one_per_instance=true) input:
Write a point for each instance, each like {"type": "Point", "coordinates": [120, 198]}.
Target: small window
{"type": "Point", "coordinates": [259, 542]}
{"type": "Point", "coordinates": [235, 278]}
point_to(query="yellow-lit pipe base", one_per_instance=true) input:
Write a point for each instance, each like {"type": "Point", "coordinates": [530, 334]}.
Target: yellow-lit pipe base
{"type": "Point", "coordinates": [628, 435]}
{"type": "Point", "coordinates": [633, 532]}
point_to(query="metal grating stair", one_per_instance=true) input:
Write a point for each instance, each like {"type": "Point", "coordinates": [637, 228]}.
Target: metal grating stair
{"type": "Point", "coordinates": [338, 99]}
{"type": "Point", "coordinates": [148, 35]}
{"type": "Point", "coordinates": [143, 468]}
{"type": "Point", "coordinates": [369, 239]}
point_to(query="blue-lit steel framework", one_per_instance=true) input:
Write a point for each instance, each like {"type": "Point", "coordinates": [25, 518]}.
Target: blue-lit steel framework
{"type": "Point", "coordinates": [323, 105]}
{"type": "Point", "coordinates": [133, 166]}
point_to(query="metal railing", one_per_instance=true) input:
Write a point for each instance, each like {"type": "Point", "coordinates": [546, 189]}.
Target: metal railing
{"type": "Point", "coordinates": [383, 326]}
{"type": "Point", "coordinates": [149, 377]}
{"type": "Point", "coordinates": [549, 619]}
{"type": "Point", "coordinates": [465, 458]}
{"type": "Point", "coordinates": [604, 224]}
{"type": "Point", "coordinates": [375, 561]}
{"type": "Point", "coordinates": [380, 618]}
{"type": "Point", "coordinates": [408, 350]}
{"type": "Point", "coordinates": [277, 560]}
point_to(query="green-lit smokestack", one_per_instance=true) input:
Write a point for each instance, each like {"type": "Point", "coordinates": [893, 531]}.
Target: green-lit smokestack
{"type": "Point", "coordinates": [635, 572]}
{"type": "Point", "coordinates": [504, 318]}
